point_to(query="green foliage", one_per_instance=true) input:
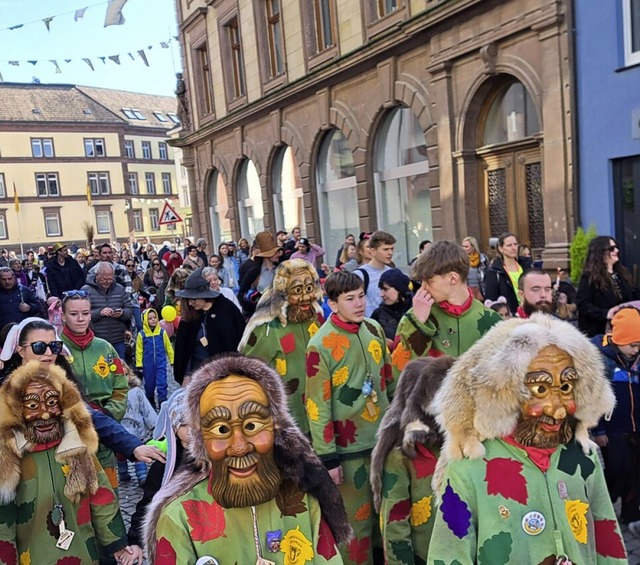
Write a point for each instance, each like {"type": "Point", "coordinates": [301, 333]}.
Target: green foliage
{"type": "Point", "coordinates": [578, 251]}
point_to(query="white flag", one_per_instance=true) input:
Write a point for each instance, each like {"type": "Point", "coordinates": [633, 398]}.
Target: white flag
{"type": "Point", "coordinates": [114, 15]}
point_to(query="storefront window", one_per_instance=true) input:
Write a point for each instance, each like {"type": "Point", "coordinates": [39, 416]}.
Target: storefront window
{"type": "Point", "coordinates": [287, 190]}
{"type": "Point", "coordinates": [219, 209]}
{"type": "Point", "coordinates": [250, 200]}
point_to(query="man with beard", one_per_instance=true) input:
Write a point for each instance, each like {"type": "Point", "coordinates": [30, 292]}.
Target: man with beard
{"type": "Point", "coordinates": [286, 318]}
{"type": "Point", "coordinates": [518, 480]}
{"type": "Point", "coordinates": [254, 491]}
{"type": "Point", "coordinates": [535, 293]}
{"type": "Point", "coordinates": [56, 501]}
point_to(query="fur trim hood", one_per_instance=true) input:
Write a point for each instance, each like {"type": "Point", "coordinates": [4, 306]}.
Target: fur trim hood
{"type": "Point", "coordinates": [274, 302]}
{"type": "Point", "coordinates": [76, 448]}
{"type": "Point", "coordinates": [482, 393]}
{"type": "Point", "coordinates": [409, 419]}
{"type": "Point", "coordinates": [292, 451]}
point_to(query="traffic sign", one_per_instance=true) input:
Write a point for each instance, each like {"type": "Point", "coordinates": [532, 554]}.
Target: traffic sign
{"type": "Point", "coordinates": [169, 215]}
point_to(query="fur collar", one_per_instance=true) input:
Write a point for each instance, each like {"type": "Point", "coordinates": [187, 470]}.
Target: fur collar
{"type": "Point", "coordinates": [293, 453]}
{"type": "Point", "coordinates": [77, 447]}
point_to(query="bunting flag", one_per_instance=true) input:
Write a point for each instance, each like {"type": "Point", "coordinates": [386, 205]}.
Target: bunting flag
{"type": "Point", "coordinates": [16, 202]}
{"type": "Point", "coordinates": [15, 63]}
{"type": "Point", "coordinates": [47, 22]}
{"type": "Point", "coordinates": [55, 64]}
{"type": "Point", "coordinates": [79, 14]}
{"type": "Point", "coordinates": [89, 202]}
{"type": "Point", "coordinates": [114, 15]}
{"type": "Point", "coordinates": [88, 62]}
{"type": "Point", "coordinates": [16, 27]}
{"type": "Point", "coordinates": [33, 62]}
{"type": "Point", "coordinates": [143, 57]}
{"type": "Point", "coordinates": [115, 59]}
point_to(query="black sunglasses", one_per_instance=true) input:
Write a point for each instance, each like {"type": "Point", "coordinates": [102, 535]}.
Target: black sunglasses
{"type": "Point", "coordinates": [40, 347]}
{"type": "Point", "coordinates": [129, 265]}
{"type": "Point", "coordinates": [156, 264]}
{"type": "Point", "coordinates": [613, 248]}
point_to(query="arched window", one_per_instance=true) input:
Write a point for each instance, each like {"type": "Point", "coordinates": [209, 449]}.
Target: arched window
{"type": "Point", "coordinates": [219, 209]}
{"type": "Point", "coordinates": [337, 193]}
{"type": "Point", "coordinates": [287, 190]}
{"type": "Point", "coordinates": [401, 179]}
{"type": "Point", "coordinates": [250, 200]}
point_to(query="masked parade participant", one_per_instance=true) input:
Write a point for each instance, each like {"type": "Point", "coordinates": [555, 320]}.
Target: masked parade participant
{"type": "Point", "coordinates": [530, 488]}
{"type": "Point", "coordinates": [56, 502]}
{"type": "Point", "coordinates": [255, 492]}
{"type": "Point", "coordinates": [286, 318]}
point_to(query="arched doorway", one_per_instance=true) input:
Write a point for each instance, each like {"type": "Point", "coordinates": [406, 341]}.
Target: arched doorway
{"type": "Point", "coordinates": [510, 171]}
{"type": "Point", "coordinates": [218, 209]}
{"type": "Point", "coordinates": [287, 190]}
{"type": "Point", "coordinates": [250, 200]}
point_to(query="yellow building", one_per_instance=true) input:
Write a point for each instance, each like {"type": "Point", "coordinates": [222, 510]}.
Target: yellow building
{"type": "Point", "coordinates": [72, 154]}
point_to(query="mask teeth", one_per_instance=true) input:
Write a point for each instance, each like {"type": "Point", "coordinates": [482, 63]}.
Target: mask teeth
{"type": "Point", "coordinates": [243, 462]}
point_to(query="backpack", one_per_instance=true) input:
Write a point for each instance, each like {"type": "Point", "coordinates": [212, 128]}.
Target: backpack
{"type": "Point", "coordinates": [365, 278]}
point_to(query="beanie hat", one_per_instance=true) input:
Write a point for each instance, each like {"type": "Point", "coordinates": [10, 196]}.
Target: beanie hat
{"type": "Point", "coordinates": [625, 326]}
{"type": "Point", "coordinates": [395, 278]}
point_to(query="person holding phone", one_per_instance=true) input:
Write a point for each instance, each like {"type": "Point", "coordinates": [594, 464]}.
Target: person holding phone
{"type": "Point", "coordinates": [111, 309]}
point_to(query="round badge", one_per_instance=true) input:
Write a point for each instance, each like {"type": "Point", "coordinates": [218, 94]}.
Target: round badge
{"type": "Point", "coordinates": [207, 560]}
{"type": "Point", "coordinates": [533, 523]}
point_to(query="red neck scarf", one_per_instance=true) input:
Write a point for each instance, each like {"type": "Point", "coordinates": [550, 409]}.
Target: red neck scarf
{"type": "Point", "coordinates": [540, 457]}
{"type": "Point", "coordinates": [82, 341]}
{"type": "Point", "coordinates": [44, 446]}
{"type": "Point", "coordinates": [346, 326]}
{"type": "Point", "coordinates": [454, 310]}
{"type": "Point", "coordinates": [520, 313]}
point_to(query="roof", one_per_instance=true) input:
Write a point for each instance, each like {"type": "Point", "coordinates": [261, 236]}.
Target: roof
{"type": "Point", "coordinates": [28, 102]}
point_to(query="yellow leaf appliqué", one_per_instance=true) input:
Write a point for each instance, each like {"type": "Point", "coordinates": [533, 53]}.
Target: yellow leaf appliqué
{"type": "Point", "coordinates": [420, 511]}
{"type": "Point", "coordinates": [25, 557]}
{"type": "Point", "coordinates": [375, 350]}
{"type": "Point", "coordinates": [340, 376]}
{"type": "Point", "coordinates": [312, 410]}
{"type": "Point", "coordinates": [296, 547]}
{"type": "Point", "coordinates": [281, 367]}
{"type": "Point", "coordinates": [576, 512]}
{"type": "Point", "coordinates": [313, 329]}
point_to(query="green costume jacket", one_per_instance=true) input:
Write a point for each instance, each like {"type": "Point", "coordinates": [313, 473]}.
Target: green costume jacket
{"type": "Point", "coordinates": [502, 508]}
{"type": "Point", "coordinates": [407, 508]}
{"type": "Point", "coordinates": [443, 333]}
{"type": "Point", "coordinates": [26, 525]}
{"type": "Point", "coordinates": [290, 531]}
{"type": "Point", "coordinates": [284, 349]}
{"type": "Point", "coordinates": [342, 420]}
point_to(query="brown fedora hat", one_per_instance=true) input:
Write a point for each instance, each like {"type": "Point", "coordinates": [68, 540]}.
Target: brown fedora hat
{"type": "Point", "coordinates": [266, 243]}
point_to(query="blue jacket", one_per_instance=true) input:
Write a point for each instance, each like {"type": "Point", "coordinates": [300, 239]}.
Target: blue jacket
{"type": "Point", "coordinates": [152, 347]}
{"type": "Point", "coordinates": [624, 375]}
{"type": "Point", "coordinates": [113, 435]}
{"type": "Point", "coordinates": [10, 301]}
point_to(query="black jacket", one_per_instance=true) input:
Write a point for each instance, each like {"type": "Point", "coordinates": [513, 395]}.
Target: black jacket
{"type": "Point", "coordinates": [497, 282]}
{"type": "Point", "coordinates": [593, 304]}
{"type": "Point", "coordinates": [389, 316]}
{"type": "Point", "coordinates": [10, 301]}
{"type": "Point", "coordinates": [224, 326]}
{"type": "Point", "coordinates": [64, 277]}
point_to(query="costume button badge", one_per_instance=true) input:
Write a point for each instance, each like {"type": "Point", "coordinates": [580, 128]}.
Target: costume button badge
{"type": "Point", "coordinates": [533, 523]}
{"type": "Point", "coordinates": [207, 560]}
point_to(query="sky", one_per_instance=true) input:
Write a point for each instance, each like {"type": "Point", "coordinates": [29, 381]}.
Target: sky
{"type": "Point", "coordinates": [147, 24]}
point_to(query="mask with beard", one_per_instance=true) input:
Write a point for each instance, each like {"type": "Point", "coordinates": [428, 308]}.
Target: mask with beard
{"type": "Point", "coordinates": [42, 413]}
{"type": "Point", "coordinates": [237, 430]}
{"type": "Point", "coordinates": [301, 296]}
{"type": "Point", "coordinates": [547, 417]}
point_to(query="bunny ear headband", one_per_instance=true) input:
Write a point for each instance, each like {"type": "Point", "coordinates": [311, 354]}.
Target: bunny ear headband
{"type": "Point", "coordinates": [489, 303]}
{"type": "Point", "coordinates": [11, 342]}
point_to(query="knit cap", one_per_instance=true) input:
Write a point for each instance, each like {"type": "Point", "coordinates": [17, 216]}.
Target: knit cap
{"type": "Point", "coordinates": [625, 326]}
{"type": "Point", "coordinates": [395, 278]}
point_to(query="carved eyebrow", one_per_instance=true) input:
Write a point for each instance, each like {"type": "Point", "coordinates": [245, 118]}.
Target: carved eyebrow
{"type": "Point", "coordinates": [215, 413]}
{"type": "Point", "coordinates": [31, 396]}
{"type": "Point", "coordinates": [570, 374]}
{"type": "Point", "coordinates": [538, 377]}
{"type": "Point", "coordinates": [253, 407]}
{"type": "Point", "coordinates": [51, 393]}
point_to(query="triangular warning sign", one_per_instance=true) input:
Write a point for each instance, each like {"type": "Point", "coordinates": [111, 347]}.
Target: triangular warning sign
{"type": "Point", "coordinates": [169, 215]}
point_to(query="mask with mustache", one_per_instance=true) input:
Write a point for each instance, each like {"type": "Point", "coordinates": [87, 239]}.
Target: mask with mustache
{"type": "Point", "coordinates": [301, 296]}
{"type": "Point", "coordinates": [42, 413]}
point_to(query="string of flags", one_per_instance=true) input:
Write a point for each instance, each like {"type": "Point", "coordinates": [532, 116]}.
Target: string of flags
{"type": "Point", "coordinates": [113, 15]}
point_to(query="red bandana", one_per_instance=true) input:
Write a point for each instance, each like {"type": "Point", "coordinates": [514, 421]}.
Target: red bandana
{"type": "Point", "coordinates": [520, 313]}
{"type": "Point", "coordinates": [44, 446]}
{"type": "Point", "coordinates": [82, 341]}
{"type": "Point", "coordinates": [454, 310]}
{"type": "Point", "coordinates": [540, 457]}
{"type": "Point", "coordinates": [346, 326]}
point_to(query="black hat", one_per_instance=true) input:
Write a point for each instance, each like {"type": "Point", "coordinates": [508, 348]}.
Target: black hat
{"type": "Point", "coordinates": [395, 278]}
{"type": "Point", "coordinates": [196, 286]}
{"type": "Point", "coordinates": [304, 241]}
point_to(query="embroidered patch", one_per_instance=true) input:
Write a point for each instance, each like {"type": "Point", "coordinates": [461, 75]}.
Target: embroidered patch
{"type": "Point", "coordinates": [296, 547]}
{"type": "Point", "coordinates": [273, 541]}
{"type": "Point", "coordinates": [504, 511]}
{"type": "Point", "coordinates": [533, 523]}
{"type": "Point", "coordinates": [102, 367]}
{"type": "Point", "coordinates": [576, 512]}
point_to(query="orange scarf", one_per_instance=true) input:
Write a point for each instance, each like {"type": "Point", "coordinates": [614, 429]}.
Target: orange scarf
{"type": "Point", "coordinates": [474, 259]}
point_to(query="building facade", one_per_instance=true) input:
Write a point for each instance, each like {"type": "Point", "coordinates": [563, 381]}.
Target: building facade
{"type": "Point", "coordinates": [77, 155]}
{"type": "Point", "coordinates": [430, 119]}
{"type": "Point", "coordinates": [608, 83]}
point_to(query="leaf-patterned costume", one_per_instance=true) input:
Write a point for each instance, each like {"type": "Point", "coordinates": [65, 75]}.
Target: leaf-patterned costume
{"type": "Point", "coordinates": [343, 421]}
{"type": "Point", "coordinates": [502, 509]}
{"type": "Point", "coordinates": [290, 530]}
{"type": "Point", "coordinates": [443, 333]}
{"type": "Point", "coordinates": [284, 349]}
{"type": "Point", "coordinates": [407, 509]}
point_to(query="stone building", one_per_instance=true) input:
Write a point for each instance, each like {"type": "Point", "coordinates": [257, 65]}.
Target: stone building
{"type": "Point", "coordinates": [430, 119]}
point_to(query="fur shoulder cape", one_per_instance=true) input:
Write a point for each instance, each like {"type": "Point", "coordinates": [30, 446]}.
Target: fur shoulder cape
{"type": "Point", "coordinates": [76, 448]}
{"type": "Point", "coordinates": [274, 304]}
{"type": "Point", "coordinates": [292, 451]}
{"type": "Point", "coordinates": [409, 419]}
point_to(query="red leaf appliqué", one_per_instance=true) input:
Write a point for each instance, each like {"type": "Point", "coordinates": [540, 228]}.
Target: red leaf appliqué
{"type": "Point", "coordinates": [400, 511]}
{"type": "Point", "coordinates": [359, 550]}
{"type": "Point", "coordinates": [206, 520]}
{"type": "Point", "coordinates": [328, 433]}
{"type": "Point", "coordinates": [165, 554]}
{"type": "Point", "coordinates": [69, 560]}
{"type": "Point", "coordinates": [103, 496]}
{"type": "Point", "coordinates": [288, 343]}
{"type": "Point", "coordinates": [504, 478]}
{"type": "Point", "coordinates": [313, 361]}
{"type": "Point", "coordinates": [84, 511]}
{"type": "Point", "coordinates": [326, 542]}
{"type": "Point", "coordinates": [345, 432]}
{"type": "Point", "coordinates": [424, 463]}
{"type": "Point", "coordinates": [608, 540]}
{"type": "Point", "coordinates": [8, 553]}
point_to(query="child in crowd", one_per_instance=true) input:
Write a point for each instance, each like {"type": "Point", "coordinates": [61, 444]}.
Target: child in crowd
{"type": "Point", "coordinates": [54, 313]}
{"type": "Point", "coordinates": [347, 390]}
{"type": "Point", "coordinates": [153, 348]}
{"type": "Point", "coordinates": [140, 421]}
{"type": "Point", "coordinates": [618, 436]}
{"type": "Point", "coordinates": [500, 306]}
{"type": "Point", "coordinates": [396, 296]}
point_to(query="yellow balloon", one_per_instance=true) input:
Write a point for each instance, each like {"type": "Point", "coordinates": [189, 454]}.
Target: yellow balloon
{"type": "Point", "coordinates": [169, 313]}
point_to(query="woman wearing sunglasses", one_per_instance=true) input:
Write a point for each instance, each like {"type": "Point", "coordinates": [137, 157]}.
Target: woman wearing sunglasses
{"type": "Point", "coordinates": [604, 285]}
{"type": "Point", "coordinates": [156, 274]}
